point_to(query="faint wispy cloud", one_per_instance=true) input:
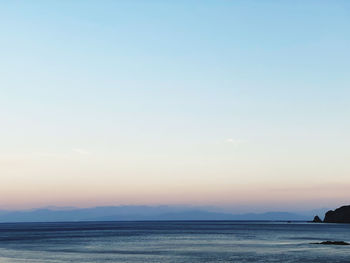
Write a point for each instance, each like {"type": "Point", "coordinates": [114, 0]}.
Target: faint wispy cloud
{"type": "Point", "coordinates": [235, 141]}
{"type": "Point", "coordinates": [81, 151]}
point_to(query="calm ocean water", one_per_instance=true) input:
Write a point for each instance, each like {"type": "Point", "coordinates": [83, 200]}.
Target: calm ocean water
{"type": "Point", "coordinates": [178, 241]}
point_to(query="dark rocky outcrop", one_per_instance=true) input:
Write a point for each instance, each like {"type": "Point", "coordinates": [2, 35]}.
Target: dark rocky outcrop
{"type": "Point", "coordinates": [339, 215]}
{"type": "Point", "coordinates": [338, 243]}
{"type": "Point", "coordinates": [317, 219]}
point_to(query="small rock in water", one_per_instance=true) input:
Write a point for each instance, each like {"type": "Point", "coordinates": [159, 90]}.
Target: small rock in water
{"type": "Point", "coordinates": [339, 243]}
{"type": "Point", "coordinates": [317, 219]}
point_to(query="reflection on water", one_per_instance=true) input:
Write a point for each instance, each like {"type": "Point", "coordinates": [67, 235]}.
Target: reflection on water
{"type": "Point", "coordinates": [186, 241]}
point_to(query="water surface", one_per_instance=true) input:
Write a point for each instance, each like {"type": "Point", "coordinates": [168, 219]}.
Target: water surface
{"type": "Point", "coordinates": [172, 241]}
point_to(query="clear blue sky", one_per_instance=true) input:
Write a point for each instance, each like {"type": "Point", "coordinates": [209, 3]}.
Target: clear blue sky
{"type": "Point", "coordinates": [174, 102]}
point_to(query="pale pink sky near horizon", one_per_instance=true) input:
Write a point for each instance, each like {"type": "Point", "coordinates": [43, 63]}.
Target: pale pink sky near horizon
{"type": "Point", "coordinates": [84, 180]}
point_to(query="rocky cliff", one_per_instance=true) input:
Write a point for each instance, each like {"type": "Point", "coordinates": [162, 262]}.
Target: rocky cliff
{"type": "Point", "coordinates": [339, 215]}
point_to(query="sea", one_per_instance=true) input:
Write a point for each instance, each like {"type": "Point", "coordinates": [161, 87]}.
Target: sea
{"type": "Point", "coordinates": [172, 241]}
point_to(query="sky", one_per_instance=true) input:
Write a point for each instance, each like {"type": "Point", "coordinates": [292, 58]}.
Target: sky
{"type": "Point", "coordinates": [221, 103]}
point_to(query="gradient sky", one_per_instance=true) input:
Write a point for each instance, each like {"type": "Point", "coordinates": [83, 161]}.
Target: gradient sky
{"type": "Point", "coordinates": [229, 103]}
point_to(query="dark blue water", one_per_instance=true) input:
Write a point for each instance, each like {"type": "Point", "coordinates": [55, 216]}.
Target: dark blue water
{"type": "Point", "coordinates": [189, 241]}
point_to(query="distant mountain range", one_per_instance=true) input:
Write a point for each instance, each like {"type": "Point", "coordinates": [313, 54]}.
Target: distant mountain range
{"type": "Point", "coordinates": [140, 213]}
